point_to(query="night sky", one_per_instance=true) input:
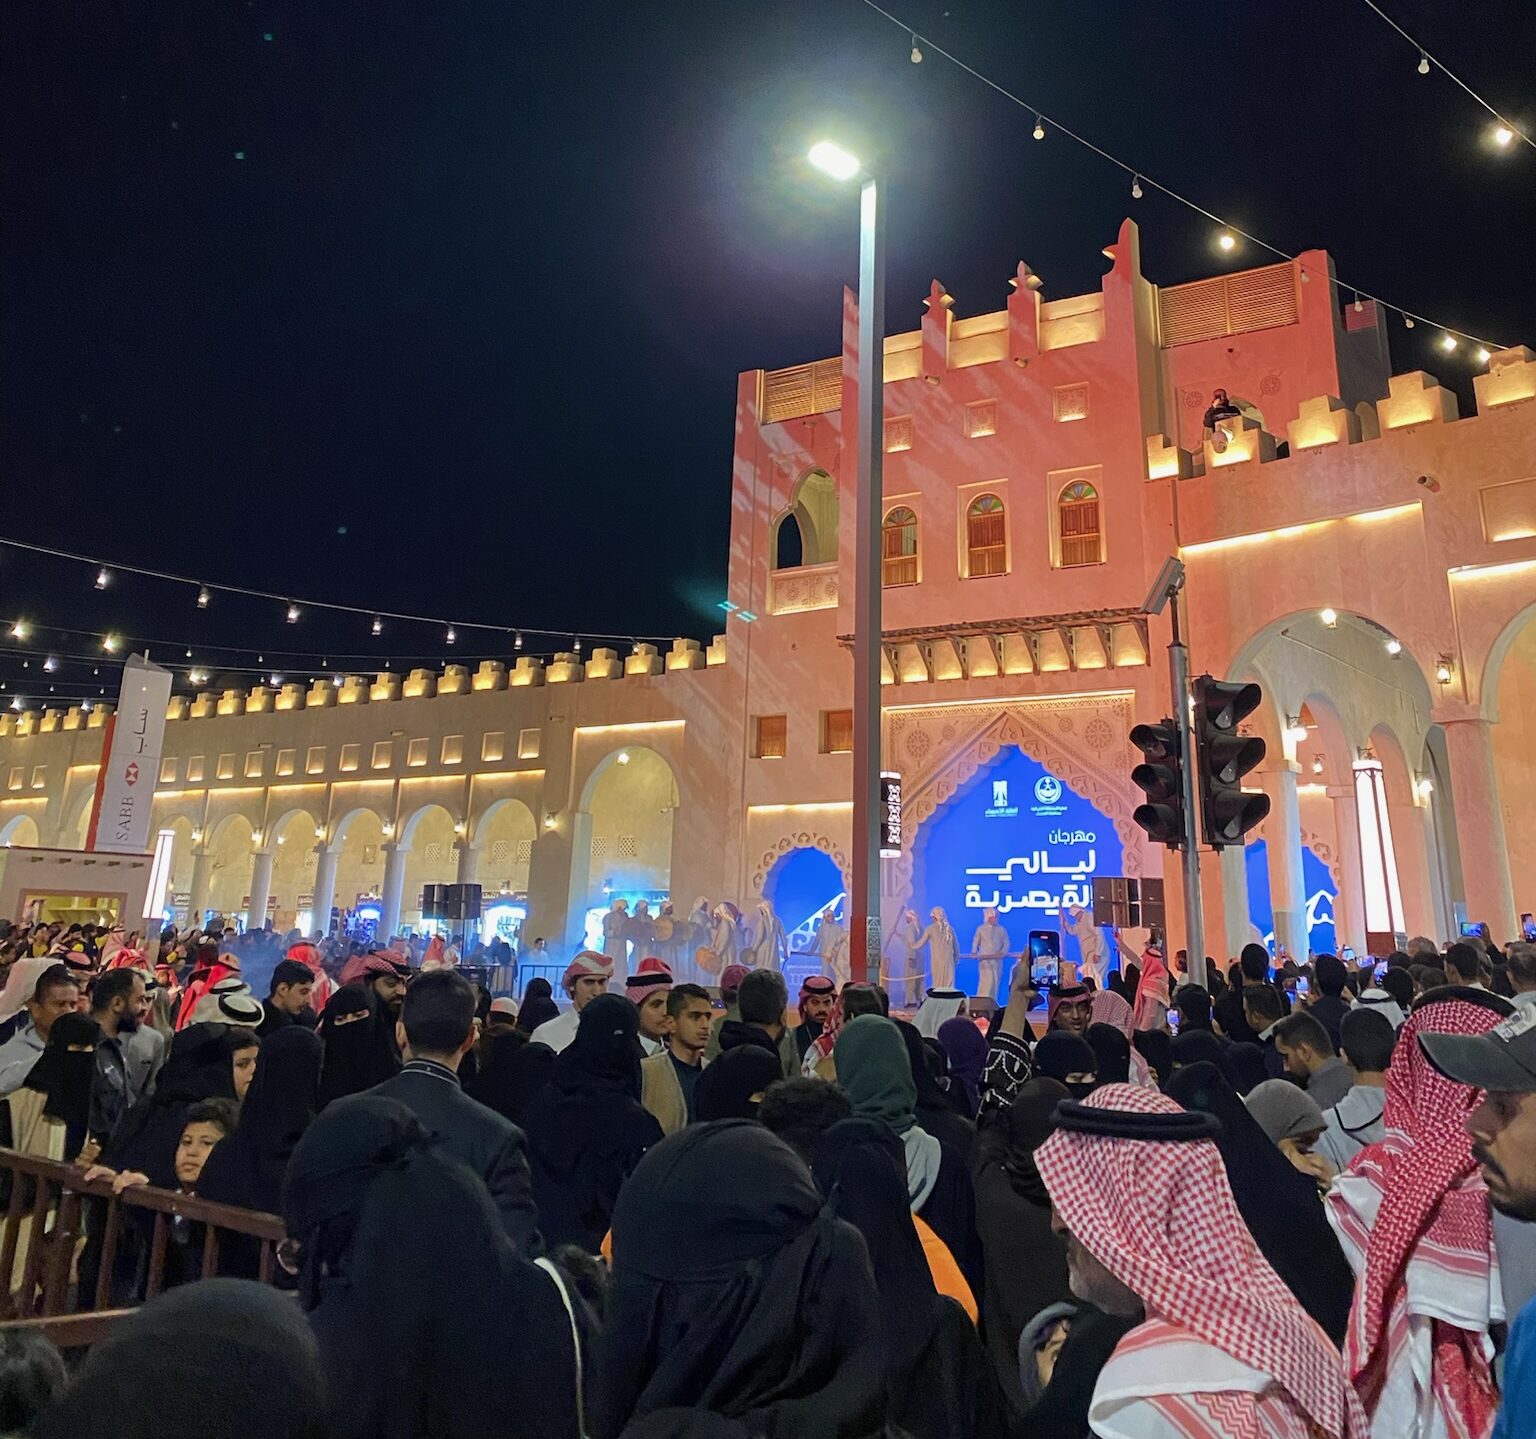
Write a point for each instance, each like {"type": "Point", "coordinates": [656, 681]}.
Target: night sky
{"type": "Point", "coordinates": [439, 307]}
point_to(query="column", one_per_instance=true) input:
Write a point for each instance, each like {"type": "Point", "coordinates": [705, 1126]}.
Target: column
{"type": "Point", "coordinates": [261, 888]}
{"type": "Point", "coordinates": [469, 864]}
{"type": "Point", "coordinates": [1287, 890]}
{"type": "Point", "coordinates": [202, 880]}
{"type": "Point", "coordinates": [1349, 908]}
{"type": "Point", "coordinates": [326, 860]}
{"type": "Point", "coordinates": [1238, 929]}
{"type": "Point", "coordinates": [391, 891]}
{"type": "Point", "coordinates": [1480, 827]}
{"type": "Point", "coordinates": [549, 886]}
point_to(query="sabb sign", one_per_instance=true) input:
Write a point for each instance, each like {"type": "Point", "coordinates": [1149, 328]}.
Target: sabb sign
{"type": "Point", "coordinates": [130, 765]}
{"type": "Point", "coordinates": [890, 814]}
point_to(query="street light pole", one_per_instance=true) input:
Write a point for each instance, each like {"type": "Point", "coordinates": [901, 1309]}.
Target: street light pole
{"type": "Point", "coordinates": [864, 930]}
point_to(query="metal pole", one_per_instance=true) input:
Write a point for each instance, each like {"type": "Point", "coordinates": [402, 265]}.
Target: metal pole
{"type": "Point", "coordinates": [864, 928]}
{"type": "Point", "coordinates": [1194, 916]}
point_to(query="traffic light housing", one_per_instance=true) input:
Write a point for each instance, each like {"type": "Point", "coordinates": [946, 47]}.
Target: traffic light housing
{"type": "Point", "coordinates": [1161, 779]}
{"type": "Point", "coordinates": [1223, 757]}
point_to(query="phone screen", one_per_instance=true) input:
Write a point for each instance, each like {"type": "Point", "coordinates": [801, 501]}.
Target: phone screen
{"type": "Point", "coordinates": [1303, 986]}
{"type": "Point", "coordinates": [1528, 926]}
{"type": "Point", "coordinates": [1044, 970]}
{"type": "Point", "coordinates": [1381, 971]}
{"type": "Point", "coordinates": [1346, 953]}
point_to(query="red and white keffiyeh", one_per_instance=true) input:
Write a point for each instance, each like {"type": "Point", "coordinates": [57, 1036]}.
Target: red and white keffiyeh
{"type": "Point", "coordinates": [309, 955]}
{"type": "Point", "coordinates": [822, 1046]}
{"type": "Point", "coordinates": [1160, 1216]}
{"type": "Point", "coordinates": [1112, 1009]}
{"type": "Point", "coordinates": [1413, 1215]}
{"type": "Point", "coordinates": [586, 962]}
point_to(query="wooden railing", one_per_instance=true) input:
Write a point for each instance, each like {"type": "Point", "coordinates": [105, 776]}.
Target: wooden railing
{"type": "Point", "coordinates": [44, 1190]}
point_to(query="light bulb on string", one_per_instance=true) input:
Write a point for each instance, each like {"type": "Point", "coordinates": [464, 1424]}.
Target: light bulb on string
{"type": "Point", "coordinates": [1136, 188]}
{"type": "Point", "coordinates": [1423, 63]}
{"type": "Point", "coordinates": [1482, 356]}
{"type": "Point", "coordinates": [202, 597]}
{"type": "Point", "coordinates": [378, 625]}
{"type": "Point", "coordinates": [50, 664]}
{"type": "Point", "coordinates": [1039, 130]}
{"type": "Point", "coordinates": [1502, 135]}
{"type": "Point", "coordinates": [1306, 276]}
{"type": "Point", "coordinates": [110, 644]}
{"type": "Point", "coordinates": [20, 630]}
{"type": "Point", "coordinates": [293, 613]}
{"type": "Point", "coordinates": [1359, 306]}
{"type": "Point", "coordinates": [451, 637]}
{"type": "Point", "coordinates": [1448, 343]}
{"type": "Point", "coordinates": [103, 578]}
{"type": "Point", "coordinates": [517, 640]}
{"type": "Point", "coordinates": [1226, 241]}
{"type": "Point", "coordinates": [917, 54]}
{"type": "Point", "coordinates": [576, 644]}
{"type": "Point", "coordinates": [1407, 322]}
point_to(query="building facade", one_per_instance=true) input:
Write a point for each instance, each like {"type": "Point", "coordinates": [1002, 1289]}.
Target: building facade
{"type": "Point", "coordinates": [1350, 542]}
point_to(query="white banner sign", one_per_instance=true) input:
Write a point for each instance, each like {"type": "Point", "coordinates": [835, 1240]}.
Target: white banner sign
{"type": "Point", "coordinates": [125, 791]}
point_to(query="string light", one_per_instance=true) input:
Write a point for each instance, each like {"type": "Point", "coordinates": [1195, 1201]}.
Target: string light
{"type": "Point", "coordinates": [1227, 241]}
{"type": "Point", "coordinates": [576, 644]}
{"type": "Point", "coordinates": [1136, 188]}
{"type": "Point", "coordinates": [1423, 66]}
{"type": "Point", "coordinates": [517, 640]}
{"type": "Point", "coordinates": [378, 625]}
{"type": "Point", "coordinates": [293, 613]}
{"type": "Point", "coordinates": [1483, 356]}
{"type": "Point", "coordinates": [1139, 176]}
{"type": "Point", "coordinates": [20, 630]}
{"type": "Point", "coordinates": [202, 597]}
{"type": "Point", "coordinates": [110, 643]}
{"type": "Point", "coordinates": [1448, 343]}
{"type": "Point", "coordinates": [1502, 135]}
{"type": "Point", "coordinates": [103, 578]}
{"type": "Point", "coordinates": [451, 637]}
{"type": "Point", "coordinates": [917, 54]}
{"type": "Point", "coordinates": [50, 664]}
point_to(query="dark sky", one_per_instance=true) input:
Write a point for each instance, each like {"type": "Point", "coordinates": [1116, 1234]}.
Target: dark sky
{"type": "Point", "coordinates": [459, 333]}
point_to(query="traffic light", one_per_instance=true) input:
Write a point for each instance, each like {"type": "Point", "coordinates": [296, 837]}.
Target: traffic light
{"type": "Point", "coordinates": [1223, 757]}
{"type": "Point", "coordinates": [1161, 779]}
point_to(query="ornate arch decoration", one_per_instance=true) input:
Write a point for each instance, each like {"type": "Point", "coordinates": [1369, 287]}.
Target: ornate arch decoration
{"type": "Point", "coordinates": [800, 839]}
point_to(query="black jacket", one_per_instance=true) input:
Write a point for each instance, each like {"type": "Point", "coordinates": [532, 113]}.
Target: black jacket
{"type": "Point", "coordinates": [493, 1147]}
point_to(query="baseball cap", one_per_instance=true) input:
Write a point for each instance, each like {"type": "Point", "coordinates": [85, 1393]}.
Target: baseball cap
{"type": "Point", "coordinates": [1503, 1059]}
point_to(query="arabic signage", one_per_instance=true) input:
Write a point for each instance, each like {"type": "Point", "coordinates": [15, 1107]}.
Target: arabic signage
{"type": "Point", "coordinates": [890, 814]}
{"type": "Point", "coordinates": [1018, 839]}
{"type": "Point", "coordinates": [1319, 885]}
{"type": "Point", "coordinates": [125, 788]}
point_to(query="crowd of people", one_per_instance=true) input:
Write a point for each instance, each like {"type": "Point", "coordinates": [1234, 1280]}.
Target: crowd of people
{"type": "Point", "coordinates": [1289, 1204]}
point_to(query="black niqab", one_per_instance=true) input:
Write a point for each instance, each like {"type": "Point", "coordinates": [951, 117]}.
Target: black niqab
{"type": "Point", "coordinates": [538, 1006]}
{"type": "Point", "coordinates": [735, 1291]}
{"type": "Point", "coordinates": [1111, 1052]}
{"type": "Point", "coordinates": [934, 1111]}
{"type": "Point", "coordinates": [65, 1071]}
{"type": "Point", "coordinates": [358, 1031]}
{"type": "Point", "coordinates": [410, 1279]}
{"type": "Point", "coordinates": [1278, 1202]}
{"type": "Point", "coordinates": [200, 1066]}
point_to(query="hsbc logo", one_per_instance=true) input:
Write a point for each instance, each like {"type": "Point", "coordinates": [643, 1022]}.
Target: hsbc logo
{"type": "Point", "coordinates": [131, 774]}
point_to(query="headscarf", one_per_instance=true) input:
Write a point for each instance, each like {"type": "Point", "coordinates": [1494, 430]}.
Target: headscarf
{"type": "Point", "coordinates": [1159, 1215]}
{"type": "Point", "coordinates": [1244, 1066]}
{"type": "Point", "coordinates": [1067, 994]}
{"type": "Point", "coordinates": [512, 1071]}
{"type": "Point", "coordinates": [765, 1313]}
{"type": "Point", "coordinates": [726, 1088]}
{"type": "Point", "coordinates": [247, 1168]}
{"type": "Point", "coordinates": [1111, 1008]}
{"type": "Point", "coordinates": [815, 986]}
{"type": "Point", "coordinates": [1156, 1047]}
{"type": "Point", "coordinates": [1060, 1053]}
{"type": "Point", "coordinates": [308, 955]}
{"type": "Point", "coordinates": [821, 1048]}
{"type": "Point", "coordinates": [651, 975]}
{"type": "Point", "coordinates": [1112, 1051]}
{"type": "Point", "coordinates": [605, 1054]}
{"type": "Point", "coordinates": [64, 1072]}
{"type": "Point", "coordinates": [411, 1316]}
{"type": "Point", "coordinates": [199, 1065]}
{"type": "Point", "coordinates": [730, 979]}
{"type": "Point", "coordinates": [21, 985]}
{"type": "Point", "coordinates": [1415, 1208]}
{"type": "Point", "coordinates": [358, 1032]}
{"type": "Point", "coordinates": [1192, 1046]}
{"type": "Point", "coordinates": [1284, 1110]}
{"type": "Point", "coordinates": [366, 967]}
{"type": "Point", "coordinates": [938, 1005]}
{"type": "Point", "coordinates": [538, 1005]}
{"type": "Point", "coordinates": [230, 1001]}
{"type": "Point", "coordinates": [1277, 1201]}
{"type": "Point", "coordinates": [1029, 1121]}
{"type": "Point", "coordinates": [219, 1359]}
{"type": "Point", "coordinates": [586, 962]}
{"type": "Point", "coordinates": [1382, 1003]}
{"type": "Point", "coordinates": [877, 1075]}
{"type": "Point", "coordinates": [966, 1048]}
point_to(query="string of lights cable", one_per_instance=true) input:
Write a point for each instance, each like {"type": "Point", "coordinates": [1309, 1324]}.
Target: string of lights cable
{"type": "Point", "coordinates": [1140, 181]}
{"type": "Point", "coordinates": [294, 605]}
{"type": "Point", "coordinates": [1507, 130]}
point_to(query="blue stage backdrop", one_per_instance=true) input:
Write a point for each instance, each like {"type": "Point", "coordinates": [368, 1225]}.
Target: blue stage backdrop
{"type": "Point", "coordinates": [1016, 838]}
{"type": "Point", "coordinates": [800, 885]}
{"type": "Point", "coordinates": [1317, 884]}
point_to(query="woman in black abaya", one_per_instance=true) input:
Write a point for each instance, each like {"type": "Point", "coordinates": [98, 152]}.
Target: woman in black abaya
{"type": "Point", "coordinates": [409, 1280]}
{"type": "Point", "coordinates": [1278, 1203]}
{"type": "Point", "coordinates": [736, 1292]}
{"type": "Point", "coordinates": [512, 1072]}
{"type": "Point", "coordinates": [587, 1128]}
{"type": "Point", "coordinates": [538, 1005]}
{"type": "Point", "coordinates": [938, 1380]}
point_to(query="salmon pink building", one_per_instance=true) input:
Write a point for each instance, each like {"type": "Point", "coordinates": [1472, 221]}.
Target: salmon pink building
{"type": "Point", "coordinates": [1351, 542]}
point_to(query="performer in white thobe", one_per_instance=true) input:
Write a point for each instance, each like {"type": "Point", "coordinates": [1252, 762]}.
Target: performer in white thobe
{"type": "Point", "coordinates": [614, 944]}
{"type": "Point", "coordinates": [725, 937]}
{"type": "Point", "coordinates": [990, 945]}
{"type": "Point", "coordinates": [832, 946]}
{"type": "Point", "coordinates": [768, 948]}
{"type": "Point", "coordinates": [943, 946]}
{"type": "Point", "coordinates": [902, 968]}
{"type": "Point", "coordinates": [1090, 940]}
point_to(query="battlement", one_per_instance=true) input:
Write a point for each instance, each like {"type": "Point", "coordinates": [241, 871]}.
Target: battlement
{"type": "Point", "coordinates": [387, 687]}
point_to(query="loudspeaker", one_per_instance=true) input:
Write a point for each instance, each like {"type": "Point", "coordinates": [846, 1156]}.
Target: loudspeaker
{"type": "Point", "coordinates": [434, 901]}
{"type": "Point", "coordinates": [462, 902]}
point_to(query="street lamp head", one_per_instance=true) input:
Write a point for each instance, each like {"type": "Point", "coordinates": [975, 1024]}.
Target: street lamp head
{"type": "Point", "coordinates": [833, 160]}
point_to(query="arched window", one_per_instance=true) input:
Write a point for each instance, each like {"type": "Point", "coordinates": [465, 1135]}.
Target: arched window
{"type": "Point", "coordinates": [1078, 530]}
{"type": "Point", "coordinates": [788, 543]}
{"type": "Point", "coordinates": [986, 537]}
{"type": "Point", "coordinates": [898, 548]}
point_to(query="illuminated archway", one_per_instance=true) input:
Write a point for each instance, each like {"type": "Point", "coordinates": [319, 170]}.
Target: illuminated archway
{"type": "Point", "coordinates": [19, 832]}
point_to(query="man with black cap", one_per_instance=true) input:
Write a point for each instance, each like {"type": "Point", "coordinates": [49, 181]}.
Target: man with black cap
{"type": "Point", "coordinates": [1502, 1062]}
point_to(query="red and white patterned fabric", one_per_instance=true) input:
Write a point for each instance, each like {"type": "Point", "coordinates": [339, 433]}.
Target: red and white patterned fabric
{"type": "Point", "coordinates": [307, 954]}
{"type": "Point", "coordinates": [1160, 1216]}
{"type": "Point", "coordinates": [821, 1047]}
{"type": "Point", "coordinates": [586, 962]}
{"type": "Point", "coordinates": [1110, 1008]}
{"type": "Point", "coordinates": [1414, 1218]}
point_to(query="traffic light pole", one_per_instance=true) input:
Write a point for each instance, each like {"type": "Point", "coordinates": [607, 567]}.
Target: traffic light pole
{"type": "Point", "coordinates": [1189, 855]}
